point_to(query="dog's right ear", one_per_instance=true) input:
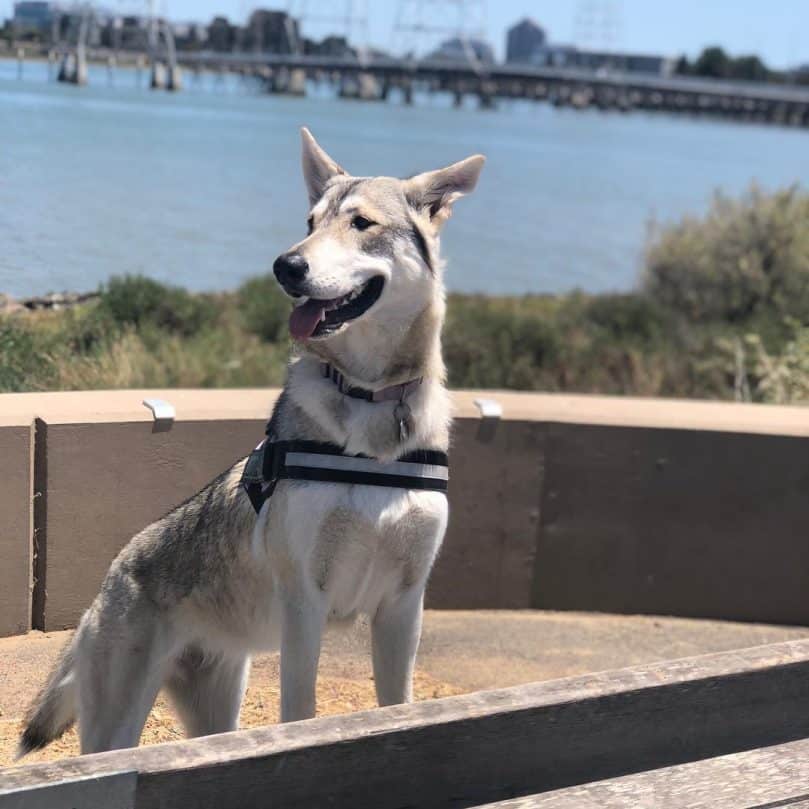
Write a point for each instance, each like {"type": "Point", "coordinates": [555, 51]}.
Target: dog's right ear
{"type": "Point", "coordinates": [318, 167]}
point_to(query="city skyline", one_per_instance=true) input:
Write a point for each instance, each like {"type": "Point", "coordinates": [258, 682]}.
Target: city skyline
{"type": "Point", "coordinates": [739, 26]}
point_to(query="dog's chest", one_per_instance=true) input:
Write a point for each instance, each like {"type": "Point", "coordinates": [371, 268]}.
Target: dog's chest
{"type": "Point", "coordinates": [368, 543]}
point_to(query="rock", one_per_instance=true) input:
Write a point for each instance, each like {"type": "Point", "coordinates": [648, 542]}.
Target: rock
{"type": "Point", "coordinates": [9, 305]}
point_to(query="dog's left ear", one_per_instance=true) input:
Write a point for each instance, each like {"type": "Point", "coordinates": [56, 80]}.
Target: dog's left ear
{"type": "Point", "coordinates": [318, 167]}
{"type": "Point", "coordinates": [435, 191]}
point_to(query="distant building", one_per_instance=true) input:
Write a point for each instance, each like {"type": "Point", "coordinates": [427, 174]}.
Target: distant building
{"type": "Point", "coordinates": [523, 41]}
{"type": "Point", "coordinates": [33, 18]}
{"type": "Point", "coordinates": [271, 32]}
{"type": "Point", "coordinates": [335, 46]}
{"type": "Point", "coordinates": [222, 36]}
{"type": "Point", "coordinates": [463, 51]}
{"type": "Point", "coordinates": [129, 33]}
{"type": "Point", "coordinates": [527, 43]}
{"type": "Point", "coordinates": [189, 36]}
{"type": "Point", "coordinates": [573, 58]}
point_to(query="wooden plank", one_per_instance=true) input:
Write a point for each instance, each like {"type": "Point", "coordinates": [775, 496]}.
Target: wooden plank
{"type": "Point", "coordinates": [465, 751]}
{"type": "Point", "coordinates": [487, 560]}
{"type": "Point", "coordinates": [767, 777]}
{"type": "Point", "coordinates": [109, 791]}
{"type": "Point", "coordinates": [674, 522]}
{"type": "Point", "coordinates": [16, 523]}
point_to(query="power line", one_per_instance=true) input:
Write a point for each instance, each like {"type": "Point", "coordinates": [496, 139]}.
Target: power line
{"type": "Point", "coordinates": [421, 25]}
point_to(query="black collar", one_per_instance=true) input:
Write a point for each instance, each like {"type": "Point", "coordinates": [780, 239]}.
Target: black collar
{"type": "Point", "coordinates": [393, 393]}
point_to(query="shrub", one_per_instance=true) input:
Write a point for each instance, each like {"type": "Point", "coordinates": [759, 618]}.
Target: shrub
{"type": "Point", "coordinates": [87, 329]}
{"type": "Point", "coordinates": [24, 363]}
{"type": "Point", "coordinates": [627, 318]}
{"type": "Point", "coordinates": [746, 258]}
{"type": "Point", "coordinates": [134, 300]}
{"type": "Point", "coordinates": [265, 308]}
{"type": "Point", "coordinates": [496, 344]}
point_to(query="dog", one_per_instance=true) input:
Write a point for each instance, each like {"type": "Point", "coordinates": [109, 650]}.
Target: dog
{"type": "Point", "coordinates": [190, 597]}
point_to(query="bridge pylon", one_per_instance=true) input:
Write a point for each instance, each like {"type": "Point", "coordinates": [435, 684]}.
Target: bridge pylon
{"type": "Point", "coordinates": [72, 45]}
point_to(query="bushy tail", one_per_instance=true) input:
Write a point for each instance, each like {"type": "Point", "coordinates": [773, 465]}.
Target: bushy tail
{"type": "Point", "coordinates": [54, 710]}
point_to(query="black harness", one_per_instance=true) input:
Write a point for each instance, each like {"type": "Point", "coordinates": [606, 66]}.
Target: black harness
{"type": "Point", "coordinates": [271, 461]}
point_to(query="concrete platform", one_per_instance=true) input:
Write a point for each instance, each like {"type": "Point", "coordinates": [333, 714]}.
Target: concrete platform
{"type": "Point", "coordinates": [461, 652]}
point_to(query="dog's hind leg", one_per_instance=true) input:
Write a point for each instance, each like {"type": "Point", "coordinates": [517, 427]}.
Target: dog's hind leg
{"type": "Point", "coordinates": [207, 691]}
{"type": "Point", "coordinates": [121, 664]}
{"type": "Point", "coordinates": [395, 634]}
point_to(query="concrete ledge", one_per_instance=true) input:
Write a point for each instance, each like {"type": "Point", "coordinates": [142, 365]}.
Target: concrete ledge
{"type": "Point", "coordinates": [16, 523]}
{"type": "Point", "coordinates": [469, 750]}
{"type": "Point", "coordinates": [111, 406]}
{"type": "Point", "coordinates": [627, 411]}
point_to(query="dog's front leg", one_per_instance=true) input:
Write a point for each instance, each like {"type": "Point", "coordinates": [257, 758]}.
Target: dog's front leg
{"type": "Point", "coordinates": [395, 634]}
{"type": "Point", "coordinates": [301, 632]}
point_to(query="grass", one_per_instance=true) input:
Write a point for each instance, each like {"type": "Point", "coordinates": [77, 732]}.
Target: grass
{"type": "Point", "coordinates": [721, 311]}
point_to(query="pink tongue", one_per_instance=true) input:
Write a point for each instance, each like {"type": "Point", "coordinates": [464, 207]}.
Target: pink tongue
{"type": "Point", "coordinates": [304, 319]}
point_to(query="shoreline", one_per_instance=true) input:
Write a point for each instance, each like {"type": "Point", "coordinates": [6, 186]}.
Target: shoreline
{"type": "Point", "coordinates": [51, 300]}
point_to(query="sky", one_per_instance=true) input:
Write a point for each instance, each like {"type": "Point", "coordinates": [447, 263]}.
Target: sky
{"type": "Point", "coordinates": [776, 30]}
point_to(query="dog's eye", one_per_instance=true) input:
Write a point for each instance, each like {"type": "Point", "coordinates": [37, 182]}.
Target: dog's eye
{"type": "Point", "coordinates": [310, 224]}
{"type": "Point", "coordinates": [361, 223]}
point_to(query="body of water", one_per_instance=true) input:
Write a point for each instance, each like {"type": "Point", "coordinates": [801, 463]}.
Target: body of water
{"type": "Point", "coordinates": [203, 188]}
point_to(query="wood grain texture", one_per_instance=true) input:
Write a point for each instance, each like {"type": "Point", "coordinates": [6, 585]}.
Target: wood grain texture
{"type": "Point", "coordinates": [111, 791]}
{"type": "Point", "coordinates": [16, 525]}
{"type": "Point", "coordinates": [489, 746]}
{"type": "Point", "coordinates": [758, 779]}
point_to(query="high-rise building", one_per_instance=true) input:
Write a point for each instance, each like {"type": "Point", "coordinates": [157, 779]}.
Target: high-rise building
{"type": "Point", "coordinates": [33, 18]}
{"type": "Point", "coordinates": [221, 35]}
{"type": "Point", "coordinates": [271, 31]}
{"type": "Point", "coordinates": [524, 40]}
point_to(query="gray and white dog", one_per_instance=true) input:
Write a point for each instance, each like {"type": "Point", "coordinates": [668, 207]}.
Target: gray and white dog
{"type": "Point", "coordinates": [191, 596]}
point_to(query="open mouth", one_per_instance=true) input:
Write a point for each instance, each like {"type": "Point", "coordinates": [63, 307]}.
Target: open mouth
{"type": "Point", "coordinates": [318, 318]}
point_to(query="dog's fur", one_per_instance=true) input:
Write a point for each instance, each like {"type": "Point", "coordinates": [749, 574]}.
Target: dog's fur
{"type": "Point", "coordinates": [191, 596]}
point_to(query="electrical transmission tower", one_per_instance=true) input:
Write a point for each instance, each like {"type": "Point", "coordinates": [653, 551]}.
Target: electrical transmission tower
{"type": "Point", "coordinates": [422, 25]}
{"type": "Point", "coordinates": [321, 18]}
{"type": "Point", "coordinates": [597, 24]}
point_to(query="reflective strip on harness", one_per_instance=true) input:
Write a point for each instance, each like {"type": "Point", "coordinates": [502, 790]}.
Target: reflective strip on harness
{"type": "Point", "coordinates": [271, 461]}
{"type": "Point", "coordinates": [367, 465]}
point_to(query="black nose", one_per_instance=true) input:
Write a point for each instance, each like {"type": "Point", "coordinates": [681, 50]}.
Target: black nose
{"type": "Point", "coordinates": [290, 269]}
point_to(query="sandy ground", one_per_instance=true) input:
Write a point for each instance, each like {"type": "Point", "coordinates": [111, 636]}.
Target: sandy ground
{"type": "Point", "coordinates": [460, 652]}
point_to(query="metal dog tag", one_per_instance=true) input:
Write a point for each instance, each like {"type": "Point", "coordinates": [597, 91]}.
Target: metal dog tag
{"type": "Point", "coordinates": [402, 415]}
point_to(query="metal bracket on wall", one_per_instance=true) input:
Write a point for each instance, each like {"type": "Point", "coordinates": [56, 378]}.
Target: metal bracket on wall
{"type": "Point", "coordinates": [490, 414]}
{"type": "Point", "coordinates": [163, 413]}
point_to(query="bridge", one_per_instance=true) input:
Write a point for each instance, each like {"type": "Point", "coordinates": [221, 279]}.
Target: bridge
{"type": "Point", "coordinates": [374, 78]}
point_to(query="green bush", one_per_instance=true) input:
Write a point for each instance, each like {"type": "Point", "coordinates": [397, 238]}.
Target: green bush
{"type": "Point", "coordinates": [134, 300]}
{"type": "Point", "coordinates": [264, 307]}
{"type": "Point", "coordinates": [24, 363]}
{"type": "Point", "coordinates": [745, 259]}
{"type": "Point", "coordinates": [628, 318]}
{"type": "Point", "coordinates": [722, 312]}
{"type": "Point", "coordinates": [496, 344]}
